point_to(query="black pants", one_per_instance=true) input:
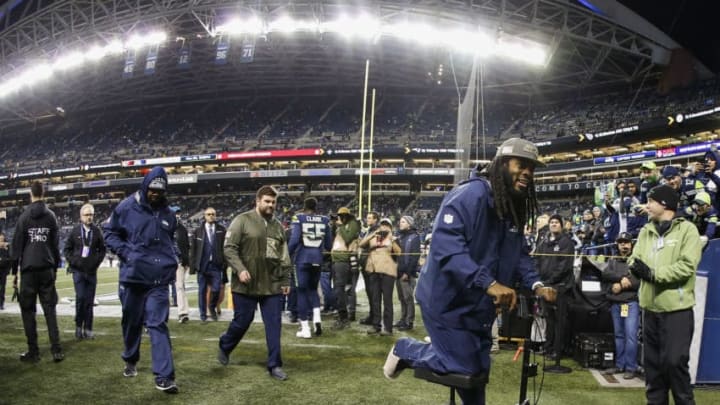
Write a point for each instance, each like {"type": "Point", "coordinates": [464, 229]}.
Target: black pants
{"type": "Point", "coordinates": [666, 339]}
{"type": "Point", "coordinates": [3, 280]}
{"type": "Point", "coordinates": [382, 286]}
{"type": "Point", "coordinates": [342, 284]}
{"type": "Point", "coordinates": [33, 285]}
{"type": "Point", "coordinates": [557, 324]}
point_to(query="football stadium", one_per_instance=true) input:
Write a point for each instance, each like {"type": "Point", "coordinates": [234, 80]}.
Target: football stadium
{"type": "Point", "coordinates": [365, 202]}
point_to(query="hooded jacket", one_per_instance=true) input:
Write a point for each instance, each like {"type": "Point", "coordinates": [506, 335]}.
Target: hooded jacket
{"type": "Point", "coordinates": [143, 238]}
{"type": "Point", "coordinates": [713, 184]}
{"type": "Point", "coordinates": [674, 258]}
{"type": "Point", "coordinates": [471, 248]}
{"type": "Point", "coordinates": [36, 240]}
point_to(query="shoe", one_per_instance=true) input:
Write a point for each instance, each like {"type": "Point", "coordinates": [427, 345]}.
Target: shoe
{"type": "Point", "coordinates": [613, 370]}
{"type": "Point", "coordinates": [293, 319]}
{"type": "Point", "coordinates": [340, 324]}
{"type": "Point", "coordinates": [223, 358]}
{"type": "Point", "coordinates": [58, 357]}
{"type": "Point", "coordinates": [214, 316]}
{"type": "Point", "coordinates": [629, 375]}
{"type": "Point", "coordinates": [393, 365]}
{"type": "Point", "coordinates": [373, 331]}
{"type": "Point", "coordinates": [130, 370]}
{"type": "Point", "coordinates": [218, 311]}
{"type": "Point", "coordinates": [88, 334]}
{"type": "Point", "coordinates": [166, 385]}
{"type": "Point", "coordinates": [366, 321]}
{"type": "Point", "coordinates": [405, 326]}
{"type": "Point", "coordinates": [386, 333]}
{"type": "Point", "coordinates": [78, 333]}
{"type": "Point", "coordinates": [183, 318]}
{"type": "Point", "coordinates": [304, 333]}
{"type": "Point", "coordinates": [398, 324]}
{"type": "Point", "coordinates": [318, 329]}
{"type": "Point", "coordinates": [30, 357]}
{"type": "Point", "coordinates": [278, 374]}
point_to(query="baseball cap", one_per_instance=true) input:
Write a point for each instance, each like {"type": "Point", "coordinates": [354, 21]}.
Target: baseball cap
{"type": "Point", "coordinates": [670, 171]}
{"type": "Point", "coordinates": [648, 165]}
{"type": "Point", "coordinates": [158, 183]}
{"type": "Point", "coordinates": [175, 208]}
{"type": "Point", "coordinates": [624, 237]}
{"type": "Point", "coordinates": [344, 211]}
{"type": "Point", "coordinates": [516, 147]}
{"type": "Point", "coordinates": [386, 221]}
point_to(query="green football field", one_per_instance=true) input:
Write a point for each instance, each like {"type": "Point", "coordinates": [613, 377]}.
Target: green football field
{"type": "Point", "coordinates": [343, 367]}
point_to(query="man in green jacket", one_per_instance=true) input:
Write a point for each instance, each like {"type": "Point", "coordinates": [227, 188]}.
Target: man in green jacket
{"type": "Point", "coordinates": [344, 252]}
{"type": "Point", "coordinates": [665, 259]}
{"type": "Point", "coordinates": [256, 250]}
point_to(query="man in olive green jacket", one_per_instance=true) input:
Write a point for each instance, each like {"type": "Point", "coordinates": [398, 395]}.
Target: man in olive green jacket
{"type": "Point", "coordinates": [665, 258]}
{"type": "Point", "coordinates": [256, 250]}
{"type": "Point", "coordinates": [345, 266]}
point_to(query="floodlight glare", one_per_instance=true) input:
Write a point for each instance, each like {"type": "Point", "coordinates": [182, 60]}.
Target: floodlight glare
{"type": "Point", "coordinates": [96, 53]}
{"type": "Point", "coordinates": [363, 26]}
{"type": "Point", "coordinates": [69, 61]}
{"type": "Point", "coordinates": [283, 24]}
{"type": "Point", "coordinates": [35, 75]}
{"type": "Point", "coordinates": [235, 26]}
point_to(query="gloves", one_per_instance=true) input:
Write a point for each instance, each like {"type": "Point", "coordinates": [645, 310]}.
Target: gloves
{"type": "Point", "coordinates": [641, 270]}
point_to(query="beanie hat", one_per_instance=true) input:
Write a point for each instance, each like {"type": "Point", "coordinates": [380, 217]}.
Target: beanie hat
{"type": "Point", "coordinates": [666, 196]}
{"type": "Point", "coordinates": [409, 220]}
{"type": "Point", "coordinates": [558, 217]}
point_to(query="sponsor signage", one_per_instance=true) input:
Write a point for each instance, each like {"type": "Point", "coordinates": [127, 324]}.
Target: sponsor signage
{"type": "Point", "coordinates": [182, 178]}
{"type": "Point", "coordinates": [624, 158]}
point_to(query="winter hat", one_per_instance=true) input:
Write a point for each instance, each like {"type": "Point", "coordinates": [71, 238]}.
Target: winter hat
{"type": "Point", "coordinates": [558, 217]}
{"type": "Point", "coordinates": [158, 183]}
{"type": "Point", "coordinates": [409, 220]}
{"type": "Point", "coordinates": [666, 196]}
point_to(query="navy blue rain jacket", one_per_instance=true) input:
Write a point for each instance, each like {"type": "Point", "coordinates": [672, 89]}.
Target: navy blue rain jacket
{"type": "Point", "coordinates": [143, 238]}
{"type": "Point", "coordinates": [471, 248]}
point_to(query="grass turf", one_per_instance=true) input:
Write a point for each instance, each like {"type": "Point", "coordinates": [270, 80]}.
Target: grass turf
{"type": "Point", "coordinates": [340, 367]}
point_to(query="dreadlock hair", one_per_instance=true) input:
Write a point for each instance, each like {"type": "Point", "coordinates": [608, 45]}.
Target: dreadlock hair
{"type": "Point", "coordinates": [519, 211]}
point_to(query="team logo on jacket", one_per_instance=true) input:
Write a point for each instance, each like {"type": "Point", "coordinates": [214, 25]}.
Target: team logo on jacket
{"type": "Point", "coordinates": [164, 222]}
{"type": "Point", "coordinates": [448, 218]}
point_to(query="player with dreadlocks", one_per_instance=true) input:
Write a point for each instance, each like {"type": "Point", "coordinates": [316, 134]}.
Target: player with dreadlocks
{"type": "Point", "coordinates": [478, 250]}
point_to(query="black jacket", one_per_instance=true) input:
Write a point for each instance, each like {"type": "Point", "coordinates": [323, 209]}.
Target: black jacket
{"type": "Point", "coordinates": [409, 242]}
{"type": "Point", "coordinates": [36, 241]}
{"type": "Point", "coordinates": [198, 241]}
{"type": "Point", "coordinates": [554, 261]}
{"type": "Point", "coordinates": [613, 273]}
{"type": "Point", "coordinates": [183, 244]}
{"type": "Point", "coordinates": [6, 263]}
{"type": "Point", "coordinates": [74, 247]}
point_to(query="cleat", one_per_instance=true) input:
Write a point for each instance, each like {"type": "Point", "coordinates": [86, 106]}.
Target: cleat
{"type": "Point", "coordinates": [166, 385]}
{"type": "Point", "coordinates": [130, 370]}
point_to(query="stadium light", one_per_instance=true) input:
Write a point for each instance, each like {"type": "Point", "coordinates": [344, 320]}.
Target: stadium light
{"type": "Point", "coordinates": [364, 26]}
{"type": "Point", "coordinates": [69, 61]}
{"type": "Point", "coordinates": [153, 38]}
{"type": "Point", "coordinates": [286, 24]}
{"type": "Point", "coordinates": [253, 26]}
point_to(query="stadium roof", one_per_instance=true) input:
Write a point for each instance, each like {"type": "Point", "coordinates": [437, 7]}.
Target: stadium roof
{"type": "Point", "coordinates": [587, 49]}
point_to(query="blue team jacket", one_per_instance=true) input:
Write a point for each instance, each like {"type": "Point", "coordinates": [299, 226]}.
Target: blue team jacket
{"type": "Point", "coordinates": [310, 236]}
{"type": "Point", "coordinates": [143, 238]}
{"type": "Point", "coordinates": [471, 247]}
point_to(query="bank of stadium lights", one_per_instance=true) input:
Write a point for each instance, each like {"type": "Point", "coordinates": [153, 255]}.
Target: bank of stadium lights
{"type": "Point", "coordinates": [367, 27]}
{"type": "Point", "coordinates": [44, 71]}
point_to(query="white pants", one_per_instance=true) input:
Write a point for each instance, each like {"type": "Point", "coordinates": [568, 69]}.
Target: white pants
{"type": "Point", "coordinates": [182, 300]}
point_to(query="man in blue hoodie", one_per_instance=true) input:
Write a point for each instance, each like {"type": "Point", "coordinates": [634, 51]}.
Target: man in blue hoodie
{"type": "Point", "coordinates": [141, 232]}
{"type": "Point", "coordinates": [478, 252]}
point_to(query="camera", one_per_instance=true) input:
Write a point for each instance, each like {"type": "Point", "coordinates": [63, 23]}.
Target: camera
{"type": "Point", "coordinates": [383, 234]}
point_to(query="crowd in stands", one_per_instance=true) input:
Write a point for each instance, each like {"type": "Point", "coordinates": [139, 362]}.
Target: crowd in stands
{"type": "Point", "coordinates": [329, 122]}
